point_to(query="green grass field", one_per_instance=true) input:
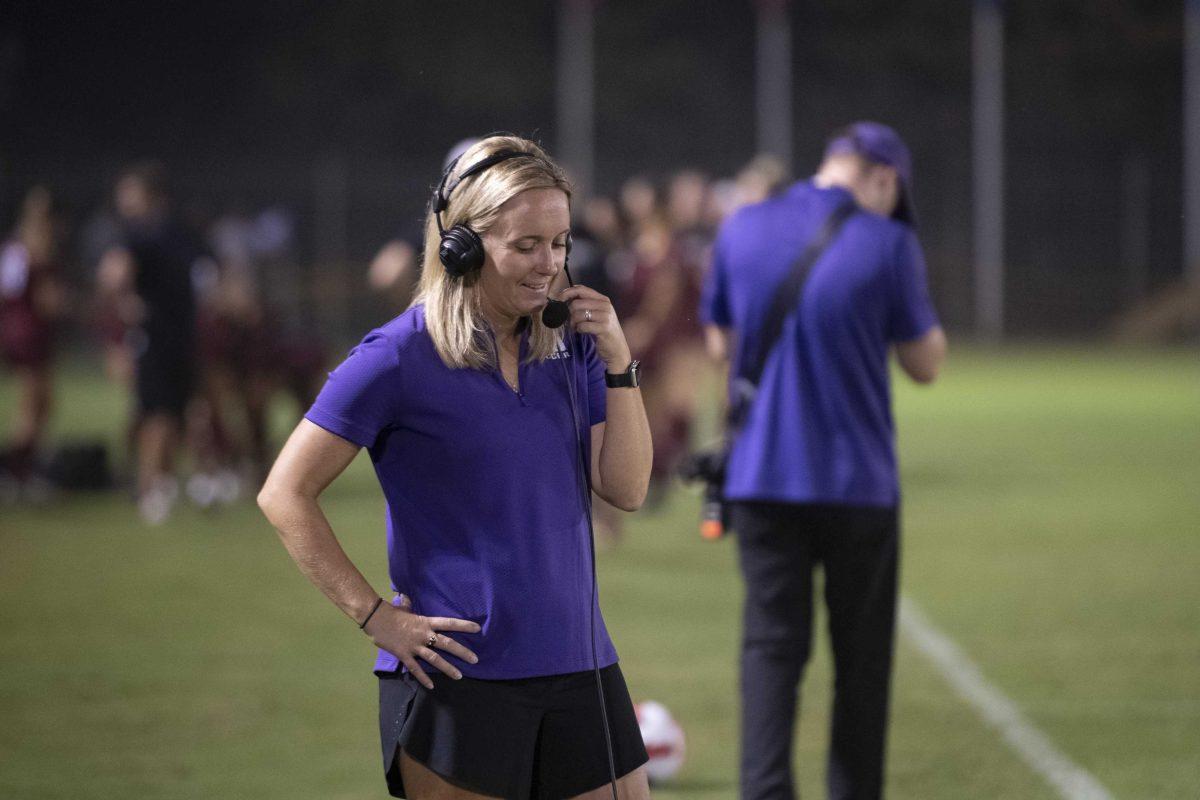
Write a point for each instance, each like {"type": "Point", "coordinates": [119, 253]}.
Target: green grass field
{"type": "Point", "coordinates": [1052, 529]}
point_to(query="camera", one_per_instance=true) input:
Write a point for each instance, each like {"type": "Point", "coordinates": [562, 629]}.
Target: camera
{"type": "Point", "coordinates": [708, 467]}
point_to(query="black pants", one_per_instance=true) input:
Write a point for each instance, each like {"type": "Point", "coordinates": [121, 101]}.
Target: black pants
{"type": "Point", "coordinates": [780, 544]}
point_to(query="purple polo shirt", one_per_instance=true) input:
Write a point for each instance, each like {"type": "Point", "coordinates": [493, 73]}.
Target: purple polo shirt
{"type": "Point", "coordinates": [820, 429]}
{"type": "Point", "coordinates": [485, 515]}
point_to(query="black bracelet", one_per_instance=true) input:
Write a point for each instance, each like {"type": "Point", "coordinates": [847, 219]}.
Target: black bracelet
{"type": "Point", "coordinates": [374, 608]}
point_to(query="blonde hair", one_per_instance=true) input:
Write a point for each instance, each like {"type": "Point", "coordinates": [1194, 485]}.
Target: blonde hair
{"type": "Point", "coordinates": [452, 305]}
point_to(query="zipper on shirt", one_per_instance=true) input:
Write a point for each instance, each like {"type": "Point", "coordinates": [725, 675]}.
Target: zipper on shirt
{"type": "Point", "coordinates": [522, 352]}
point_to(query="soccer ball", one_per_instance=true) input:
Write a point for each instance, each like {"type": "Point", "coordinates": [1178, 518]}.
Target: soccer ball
{"type": "Point", "coordinates": [663, 739]}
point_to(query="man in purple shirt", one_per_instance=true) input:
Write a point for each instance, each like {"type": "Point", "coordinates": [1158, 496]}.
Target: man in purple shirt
{"type": "Point", "coordinates": [812, 474]}
{"type": "Point", "coordinates": [487, 428]}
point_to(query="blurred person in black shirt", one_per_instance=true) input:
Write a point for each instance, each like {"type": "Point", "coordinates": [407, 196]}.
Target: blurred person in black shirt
{"type": "Point", "coordinates": [149, 278]}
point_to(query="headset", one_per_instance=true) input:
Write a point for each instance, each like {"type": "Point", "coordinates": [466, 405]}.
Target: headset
{"type": "Point", "coordinates": [461, 249]}
{"type": "Point", "coordinates": [461, 253]}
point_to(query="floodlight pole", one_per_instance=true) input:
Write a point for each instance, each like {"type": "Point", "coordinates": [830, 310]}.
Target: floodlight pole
{"type": "Point", "coordinates": [988, 152]}
{"type": "Point", "coordinates": [1191, 143]}
{"type": "Point", "coordinates": [773, 78]}
{"type": "Point", "coordinates": [576, 92]}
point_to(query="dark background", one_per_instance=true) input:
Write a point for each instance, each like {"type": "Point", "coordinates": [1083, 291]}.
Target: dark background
{"type": "Point", "coordinates": [272, 102]}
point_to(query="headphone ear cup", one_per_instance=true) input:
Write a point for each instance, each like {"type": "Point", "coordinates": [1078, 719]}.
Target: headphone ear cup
{"type": "Point", "coordinates": [461, 251]}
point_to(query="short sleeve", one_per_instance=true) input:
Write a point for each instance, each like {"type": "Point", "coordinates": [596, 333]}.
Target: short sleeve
{"type": "Point", "coordinates": [596, 387]}
{"type": "Point", "coordinates": [357, 402]}
{"type": "Point", "coordinates": [714, 297]}
{"type": "Point", "coordinates": [910, 310]}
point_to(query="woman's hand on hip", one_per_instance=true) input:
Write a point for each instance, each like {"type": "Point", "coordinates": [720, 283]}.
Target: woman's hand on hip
{"type": "Point", "coordinates": [410, 636]}
{"type": "Point", "coordinates": [592, 312]}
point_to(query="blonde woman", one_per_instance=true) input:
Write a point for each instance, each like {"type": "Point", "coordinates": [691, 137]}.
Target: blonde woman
{"type": "Point", "coordinates": [479, 420]}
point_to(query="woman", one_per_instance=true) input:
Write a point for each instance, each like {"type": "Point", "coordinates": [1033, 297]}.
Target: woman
{"type": "Point", "coordinates": [474, 413]}
{"type": "Point", "coordinates": [32, 301]}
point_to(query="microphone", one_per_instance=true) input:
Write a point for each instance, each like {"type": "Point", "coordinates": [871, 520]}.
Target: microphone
{"type": "Point", "coordinates": [555, 314]}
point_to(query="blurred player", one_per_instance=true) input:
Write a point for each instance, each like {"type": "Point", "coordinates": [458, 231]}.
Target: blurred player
{"type": "Point", "coordinates": [663, 292]}
{"type": "Point", "coordinates": [31, 303]}
{"type": "Point", "coordinates": [149, 278]}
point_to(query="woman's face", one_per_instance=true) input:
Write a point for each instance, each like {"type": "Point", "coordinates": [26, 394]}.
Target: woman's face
{"type": "Point", "coordinates": [525, 250]}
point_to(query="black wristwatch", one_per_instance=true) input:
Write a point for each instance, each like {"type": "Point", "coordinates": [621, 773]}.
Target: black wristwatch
{"type": "Point", "coordinates": [628, 379]}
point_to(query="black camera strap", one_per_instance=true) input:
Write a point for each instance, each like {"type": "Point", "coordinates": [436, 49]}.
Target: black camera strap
{"type": "Point", "coordinates": [710, 466]}
{"type": "Point", "coordinates": [786, 299]}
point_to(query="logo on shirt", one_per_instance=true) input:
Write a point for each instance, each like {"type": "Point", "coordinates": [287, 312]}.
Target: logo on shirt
{"type": "Point", "coordinates": [561, 352]}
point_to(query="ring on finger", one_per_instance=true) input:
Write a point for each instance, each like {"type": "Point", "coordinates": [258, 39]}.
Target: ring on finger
{"type": "Point", "coordinates": [587, 315]}
{"type": "Point", "coordinates": [432, 640]}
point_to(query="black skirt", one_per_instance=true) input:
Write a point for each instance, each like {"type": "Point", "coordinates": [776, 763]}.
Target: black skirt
{"type": "Point", "coordinates": [526, 739]}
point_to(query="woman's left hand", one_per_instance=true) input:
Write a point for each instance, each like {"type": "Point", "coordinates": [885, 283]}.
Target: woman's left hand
{"type": "Point", "coordinates": [592, 312]}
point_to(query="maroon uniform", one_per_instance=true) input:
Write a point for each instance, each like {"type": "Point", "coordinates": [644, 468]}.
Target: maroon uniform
{"type": "Point", "coordinates": [26, 335]}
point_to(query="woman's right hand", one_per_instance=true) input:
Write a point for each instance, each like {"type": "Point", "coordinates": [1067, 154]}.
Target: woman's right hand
{"type": "Point", "coordinates": [410, 636]}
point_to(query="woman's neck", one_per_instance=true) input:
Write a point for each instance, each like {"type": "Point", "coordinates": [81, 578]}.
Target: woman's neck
{"type": "Point", "coordinates": [504, 326]}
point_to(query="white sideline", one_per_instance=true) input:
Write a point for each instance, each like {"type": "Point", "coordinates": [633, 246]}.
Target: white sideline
{"type": "Point", "coordinates": [1071, 781]}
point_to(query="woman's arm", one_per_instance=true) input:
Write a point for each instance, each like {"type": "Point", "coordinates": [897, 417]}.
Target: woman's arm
{"type": "Point", "coordinates": [621, 448]}
{"type": "Point", "coordinates": [309, 462]}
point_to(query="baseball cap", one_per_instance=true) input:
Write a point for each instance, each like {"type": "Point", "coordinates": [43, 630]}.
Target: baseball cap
{"type": "Point", "coordinates": [879, 144]}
